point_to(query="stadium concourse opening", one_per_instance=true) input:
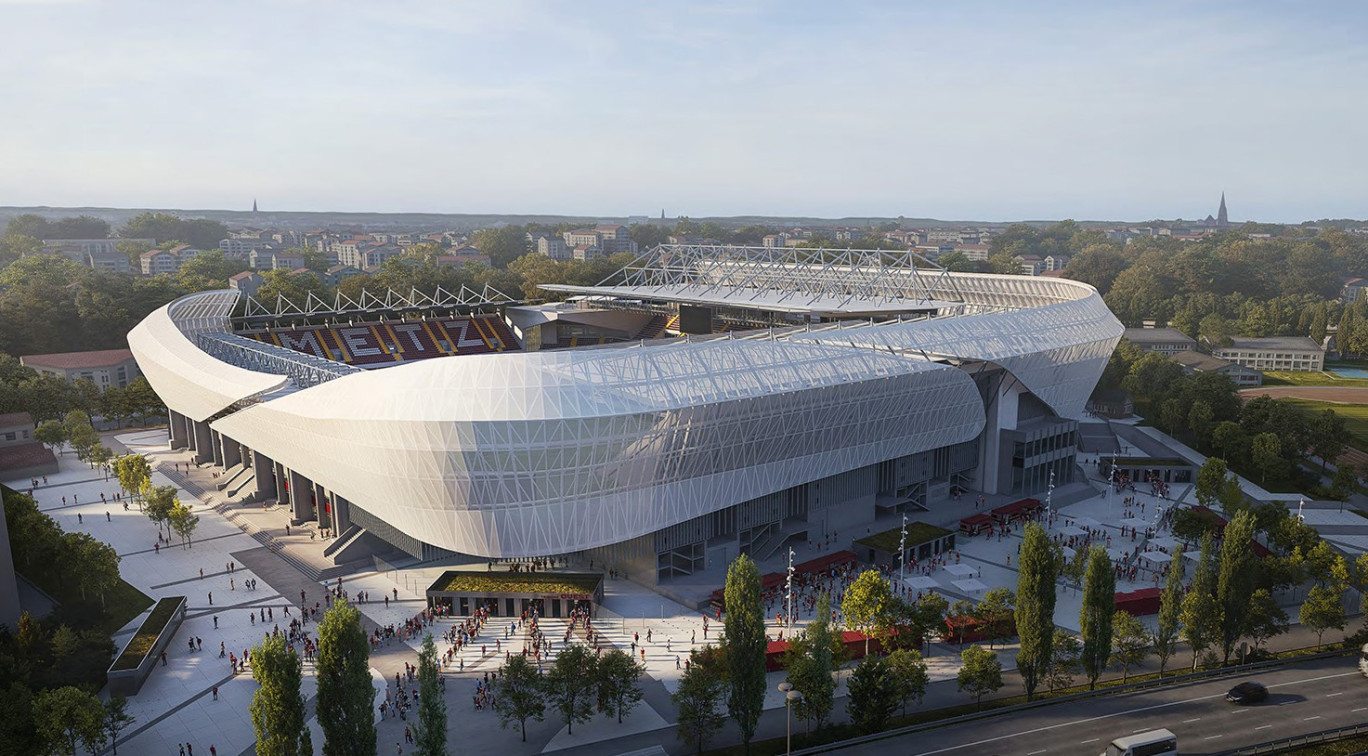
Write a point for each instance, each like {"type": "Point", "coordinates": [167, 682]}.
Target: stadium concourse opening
{"type": "Point", "coordinates": [515, 593]}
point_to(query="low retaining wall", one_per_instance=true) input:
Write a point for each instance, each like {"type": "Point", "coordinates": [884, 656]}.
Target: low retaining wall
{"type": "Point", "coordinates": [128, 680]}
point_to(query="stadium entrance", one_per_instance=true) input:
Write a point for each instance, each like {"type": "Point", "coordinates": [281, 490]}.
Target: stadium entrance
{"type": "Point", "coordinates": [511, 594]}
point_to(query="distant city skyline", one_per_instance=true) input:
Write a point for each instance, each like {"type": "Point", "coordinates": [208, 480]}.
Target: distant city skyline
{"type": "Point", "coordinates": [985, 111]}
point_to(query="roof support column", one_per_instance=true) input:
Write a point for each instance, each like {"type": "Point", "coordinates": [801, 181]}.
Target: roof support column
{"type": "Point", "coordinates": [175, 427]}
{"type": "Point", "coordinates": [204, 443]}
{"type": "Point", "coordinates": [264, 470]}
{"type": "Point", "coordinates": [301, 498]}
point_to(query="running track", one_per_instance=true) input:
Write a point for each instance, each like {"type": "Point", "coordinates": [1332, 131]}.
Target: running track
{"type": "Point", "coordinates": [1342, 394]}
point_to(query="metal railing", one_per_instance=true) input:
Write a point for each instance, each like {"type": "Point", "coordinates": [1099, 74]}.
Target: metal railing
{"type": "Point", "coordinates": [1295, 741]}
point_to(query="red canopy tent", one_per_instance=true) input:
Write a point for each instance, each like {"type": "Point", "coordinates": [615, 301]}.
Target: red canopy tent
{"type": "Point", "coordinates": [1139, 603]}
{"type": "Point", "coordinates": [1017, 510]}
{"type": "Point", "coordinates": [976, 524]}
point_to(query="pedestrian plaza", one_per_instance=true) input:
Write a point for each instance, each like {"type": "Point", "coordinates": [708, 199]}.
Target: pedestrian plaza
{"type": "Point", "coordinates": [178, 702]}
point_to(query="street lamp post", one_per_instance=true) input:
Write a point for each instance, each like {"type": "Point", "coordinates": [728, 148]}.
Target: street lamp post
{"type": "Point", "coordinates": [788, 593]}
{"type": "Point", "coordinates": [791, 697]}
{"type": "Point", "coordinates": [1049, 492]}
{"type": "Point", "coordinates": [902, 552]}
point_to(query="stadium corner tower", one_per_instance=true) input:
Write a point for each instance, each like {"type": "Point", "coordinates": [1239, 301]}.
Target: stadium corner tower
{"type": "Point", "coordinates": [701, 402]}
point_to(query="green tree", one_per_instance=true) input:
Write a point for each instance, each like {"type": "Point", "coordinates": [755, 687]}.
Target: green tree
{"type": "Point", "coordinates": [1064, 660]}
{"type": "Point", "coordinates": [993, 611]}
{"type": "Point", "coordinates": [503, 245]}
{"type": "Point", "coordinates": [1199, 421]}
{"type": "Point", "coordinates": [277, 706]}
{"type": "Point", "coordinates": [1227, 436]}
{"type": "Point", "coordinates": [345, 695]}
{"type": "Point", "coordinates": [1201, 616]}
{"type": "Point", "coordinates": [1095, 618]}
{"type": "Point", "coordinates": [866, 602]}
{"type": "Point", "coordinates": [518, 694]}
{"type": "Point", "coordinates": [1170, 612]}
{"type": "Point", "coordinates": [1328, 436]}
{"type": "Point", "coordinates": [744, 640]}
{"type": "Point", "coordinates": [69, 718]}
{"type": "Point", "coordinates": [134, 475]}
{"type": "Point", "coordinates": [980, 672]}
{"type": "Point", "coordinates": [873, 694]}
{"type": "Point", "coordinates": [1322, 610]}
{"type": "Point", "coordinates": [1037, 570]}
{"type": "Point", "coordinates": [1266, 618]}
{"type": "Point", "coordinates": [619, 683]}
{"type": "Point", "coordinates": [570, 684]}
{"type": "Point", "coordinates": [1266, 451]}
{"type": "Point", "coordinates": [430, 731]}
{"type": "Point", "coordinates": [810, 662]}
{"type": "Point", "coordinates": [910, 675]}
{"type": "Point", "coordinates": [181, 520]}
{"type": "Point", "coordinates": [161, 501]}
{"type": "Point", "coordinates": [1130, 642]}
{"type": "Point", "coordinates": [1236, 581]}
{"type": "Point", "coordinates": [699, 701]}
{"type": "Point", "coordinates": [51, 434]}
{"type": "Point", "coordinates": [116, 720]}
{"type": "Point", "coordinates": [1211, 476]}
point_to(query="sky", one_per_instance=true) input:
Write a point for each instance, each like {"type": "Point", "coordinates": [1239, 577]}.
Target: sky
{"type": "Point", "coordinates": [991, 111]}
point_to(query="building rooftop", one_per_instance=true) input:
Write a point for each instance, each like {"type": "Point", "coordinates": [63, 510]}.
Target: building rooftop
{"type": "Point", "coordinates": [15, 418]}
{"type": "Point", "coordinates": [1275, 342]}
{"type": "Point", "coordinates": [25, 455]}
{"type": "Point", "coordinates": [1198, 361]}
{"type": "Point", "coordinates": [74, 360]}
{"type": "Point", "coordinates": [1157, 336]}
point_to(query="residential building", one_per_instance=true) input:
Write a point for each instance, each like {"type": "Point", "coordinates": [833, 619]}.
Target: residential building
{"type": "Point", "coordinates": [774, 240]}
{"type": "Point", "coordinates": [339, 273]}
{"type": "Point", "coordinates": [587, 252]}
{"type": "Point", "coordinates": [582, 237]}
{"type": "Point", "coordinates": [286, 261]}
{"type": "Point", "coordinates": [247, 283]}
{"type": "Point", "coordinates": [553, 247]}
{"type": "Point", "coordinates": [21, 458]}
{"type": "Point", "coordinates": [1030, 265]}
{"type": "Point", "coordinates": [1196, 362]}
{"type": "Point", "coordinates": [109, 262]}
{"type": "Point", "coordinates": [615, 239]}
{"type": "Point", "coordinates": [1054, 262]}
{"type": "Point", "coordinates": [159, 261]}
{"type": "Point", "coordinates": [104, 368]}
{"type": "Point", "coordinates": [974, 252]}
{"type": "Point", "coordinates": [240, 248]}
{"type": "Point", "coordinates": [1293, 353]}
{"type": "Point", "coordinates": [1161, 340]}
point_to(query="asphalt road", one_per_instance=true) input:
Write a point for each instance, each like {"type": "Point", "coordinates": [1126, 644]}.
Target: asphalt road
{"type": "Point", "coordinates": [1303, 698]}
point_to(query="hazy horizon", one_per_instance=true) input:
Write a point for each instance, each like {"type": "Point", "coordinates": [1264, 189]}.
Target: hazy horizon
{"type": "Point", "coordinates": [984, 111]}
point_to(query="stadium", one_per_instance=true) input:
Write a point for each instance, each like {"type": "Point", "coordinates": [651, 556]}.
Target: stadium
{"type": "Point", "coordinates": [702, 402]}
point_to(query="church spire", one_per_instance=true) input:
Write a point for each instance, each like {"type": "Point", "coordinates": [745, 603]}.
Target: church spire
{"type": "Point", "coordinates": [1222, 219]}
{"type": "Point", "coordinates": [254, 207]}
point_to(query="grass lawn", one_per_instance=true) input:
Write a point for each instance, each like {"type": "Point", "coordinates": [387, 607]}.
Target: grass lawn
{"type": "Point", "coordinates": [1355, 417]}
{"type": "Point", "coordinates": [147, 634]}
{"type": "Point", "coordinates": [121, 603]}
{"type": "Point", "coordinates": [516, 582]}
{"type": "Point", "coordinates": [1289, 378]}
{"type": "Point", "coordinates": [917, 533]}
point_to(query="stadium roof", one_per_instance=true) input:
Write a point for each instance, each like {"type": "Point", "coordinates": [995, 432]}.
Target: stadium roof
{"type": "Point", "coordinates": [759, 299]}
{"type": "Point", "coordinates": [800, 280]}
